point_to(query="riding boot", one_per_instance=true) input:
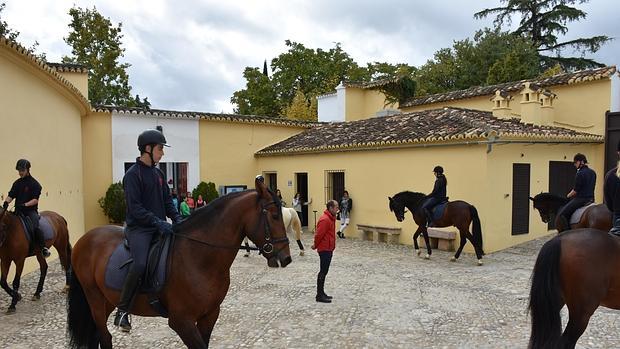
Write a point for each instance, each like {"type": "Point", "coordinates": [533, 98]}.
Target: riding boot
{"type": "Point", "coordinates": [130, 288]}
{"type": "Point", "coordinates": [429, 218]}
{"type": "Point", "coordinates": [41, 240]}
{"type": "Point", "coordinates": [320, 293]}
{"type": "Point", "coordinates": [564, 224]}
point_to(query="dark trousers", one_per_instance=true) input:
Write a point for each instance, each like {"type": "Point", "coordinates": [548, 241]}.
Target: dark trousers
{"type": "Point", "coordinates": [428, 205]}
{"type": "Point", "coordinates": [33, 216]}
{"type": "Point", "coordinates": [616, 225]}
{"type": "Point", "coordinates": [139, 242]}
{"type": "Point", "coordinates": [571, 207]}
{"type": "Point", "coordinates": [326, 260]}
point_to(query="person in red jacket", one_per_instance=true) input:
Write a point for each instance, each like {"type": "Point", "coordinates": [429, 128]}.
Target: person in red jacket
{"type": "Point", "coordinates": [325, 244]}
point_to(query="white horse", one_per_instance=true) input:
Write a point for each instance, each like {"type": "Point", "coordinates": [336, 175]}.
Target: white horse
{"type": "Point", "coordinates": [291, 223]}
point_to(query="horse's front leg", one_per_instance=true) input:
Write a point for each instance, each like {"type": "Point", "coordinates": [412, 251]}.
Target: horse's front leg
{"type": "Point", "coordinates": [43, 268]}
{"type": "Point", "coordinates": [4, 266]}
{"type": "Point", "coordinates": [429, 251]}
{"type": "Point", "coordinates": [206, 324]}
{"type": "Point", "coordinates": [415, 240]}
{"type": "Point", "coordinates": [186, 328]}
{"type": "Point", "coordinates": [19, 267]}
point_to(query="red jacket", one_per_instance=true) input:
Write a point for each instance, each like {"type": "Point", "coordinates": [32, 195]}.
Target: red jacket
{"type": "Point", "coordinates": [325, 236]}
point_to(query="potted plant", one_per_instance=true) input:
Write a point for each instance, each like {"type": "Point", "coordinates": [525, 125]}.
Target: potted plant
{"type": "Point", "coordinates": [207, 190]}
{"type": "Point", "coordinates": [113, 203]}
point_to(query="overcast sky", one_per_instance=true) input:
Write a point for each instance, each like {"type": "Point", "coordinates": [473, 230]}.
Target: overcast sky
{"type": "Point", "coordinates": [190, 54]}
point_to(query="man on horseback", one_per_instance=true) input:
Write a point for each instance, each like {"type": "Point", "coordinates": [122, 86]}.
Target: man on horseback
{"type": "Point", "coordinates": [148, 204]}
{"type": "Point", "coordinates": [612, 195]}
{"type": "Point", "coordinates": [582, 193]}
{"type": "Point", "coordinates": [26, 191]}
{"type": "Point", "coordinates": [437, 196]}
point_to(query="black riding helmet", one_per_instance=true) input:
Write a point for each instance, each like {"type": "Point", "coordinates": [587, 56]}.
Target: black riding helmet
{"type": "Point", "coordinates": [22, 165]}
{"type": "Point", "coordinates": [580, 157]}
{"type": "Point", "coordinates": [151, 137]}
{"type": "Point", "coordinates": [438, 169]}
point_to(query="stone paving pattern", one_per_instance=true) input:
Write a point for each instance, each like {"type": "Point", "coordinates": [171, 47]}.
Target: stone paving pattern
{"type": "Point", "coordinates": [384, 297]}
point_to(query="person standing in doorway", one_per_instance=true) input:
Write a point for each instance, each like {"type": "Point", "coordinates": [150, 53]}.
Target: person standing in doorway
{"type": "Point", "coordinates": [346, 205]}
{"type": "Point", "coordinates": [325, 244]}
{"type": "Point", "coordinates": [279, 195]}
{"type": "Point", "coordinates": [297, 203]}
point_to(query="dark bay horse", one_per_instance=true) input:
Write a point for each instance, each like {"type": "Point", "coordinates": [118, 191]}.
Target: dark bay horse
{"type": "Point", "coordinates": [14, 247]}
{"type": "Point", "coordinates": [580, 269]}
{"type": "Point", "coordinates": [597, 216]}
{"type": "Point", "coordinates": [459, 214]}
{"type": "Point", "coordinates": [204, 248]}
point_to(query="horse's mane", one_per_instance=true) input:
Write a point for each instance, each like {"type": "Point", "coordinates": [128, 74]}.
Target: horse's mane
{"type": "Point", "coordinates": [206, 215]}
{"type": "Point", "coordinates": [410, 197]}
{"type": "Point", "coordinates": [549, 197]}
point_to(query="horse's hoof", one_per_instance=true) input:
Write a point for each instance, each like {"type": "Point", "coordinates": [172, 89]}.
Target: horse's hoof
{"type": "Point", "coordinates": [418, 252]}
{"type": "Point", "coordinates": [428, 256]}
{"type": "Point", "coordinates": [453, 259]}
{"type": "Point", "coordinates": [36, 297]}
{"type": "Point", "coordinates": [302, 253]}
{"type": "Point", "coordinates": [19, 297]}
{"type": "Point", "coordinates": [480, 262]}
{"type": "Point", "coordinates": [65, 289]}
{"type": "Point", "coordinates": [10, 311]}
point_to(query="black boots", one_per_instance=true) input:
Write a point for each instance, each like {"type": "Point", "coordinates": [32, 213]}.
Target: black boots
{"type": "Point", "coordinates": [341, 235]}
{"type": "Point", "coordinates": [132, 282]}
{"type": "Point", "coordinates": [41, 240]}
{"type": "Point", "coordinates": [320, 293]}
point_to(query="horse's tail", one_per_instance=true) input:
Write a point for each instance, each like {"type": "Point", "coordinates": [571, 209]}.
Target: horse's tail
{"type": "Point", "coordinates": [81, 326]}
{"type": "Point", "coordinates": [545, 298]}
{"type": "Point", "coordinates": [476, 228]}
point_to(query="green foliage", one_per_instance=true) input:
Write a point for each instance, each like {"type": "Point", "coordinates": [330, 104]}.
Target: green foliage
{"type": "Point", "coordinates": [113, 203]}
{"type": "Point", "coordinates": [542, 22]}
{"type": "Point", "coordinates": [301, 108]}
{"type": "Point", "coordinates": [13, 35]}
{"type": "Point", "coordinates": [555, 70]}
{"type": "Point", "coordinates": [96, 43]}
{"type": "Point", "coordinates": [207, 190]}
{"type": "Point", "coordinates": [258, 98]}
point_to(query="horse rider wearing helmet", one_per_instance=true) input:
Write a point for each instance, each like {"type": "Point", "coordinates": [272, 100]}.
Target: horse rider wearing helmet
{"type": "Point", "coordinates": [612, 195]}
{"type": "Point", "coordinates": [437, 196]}
{"type": "Point", "coordinates": [26, 191]}
{"type": "Point", "coordinates": [582, 193]}
{"type": "Point", "coordinates": [148, 202]}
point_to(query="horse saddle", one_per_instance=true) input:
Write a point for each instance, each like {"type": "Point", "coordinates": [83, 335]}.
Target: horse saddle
{"type": "Point", "coordinates": [156, 266]}
{"type": "Point", "coordinates": [576, 216]}
{"type": "Point", "coordinates": [438, 210]}
{"type": "Point", "coordinates": [45, 226]}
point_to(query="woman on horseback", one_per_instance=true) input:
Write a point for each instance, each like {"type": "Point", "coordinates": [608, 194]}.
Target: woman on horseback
{"type": "Point", "coordinates": [148, 204]}
{"type": "Point", "coordinates": [437, 196]}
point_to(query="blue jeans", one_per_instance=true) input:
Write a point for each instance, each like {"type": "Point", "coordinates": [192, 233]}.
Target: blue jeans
{"type": "Point", "coordinates": [615, 229]}
{"type": "Point", "coordinates": [326, 260]}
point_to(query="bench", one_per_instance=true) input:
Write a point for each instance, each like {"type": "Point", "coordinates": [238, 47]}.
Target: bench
{"type": "Point", "coordinates": [384, 234]}
{"type": "Point", "coordinates": [441, 239]}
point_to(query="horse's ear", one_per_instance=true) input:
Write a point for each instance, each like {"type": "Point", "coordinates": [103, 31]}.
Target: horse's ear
{"type": "Point", "coordinates": [390, 198]}
{"type": "Point", "coordinates": [261, 188]}
{"type": "Point", "coordinates": [531, 198]}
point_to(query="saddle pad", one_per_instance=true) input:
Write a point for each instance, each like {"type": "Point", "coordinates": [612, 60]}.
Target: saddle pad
{"type": "Point", "coordinates": [118, 266]}
{"type": "Point", "coordinates": [576, 216]}
{"type": "Point", "coordinates": [439, 210]}
{"type": "Point", "coordinates": [44, 224]}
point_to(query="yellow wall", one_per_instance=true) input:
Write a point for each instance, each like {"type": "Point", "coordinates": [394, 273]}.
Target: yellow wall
{"type": "Point", "coordinates": [97, 157]}
{"type": "Point", "coordinates": [473, 175]}
{"type": "Point", "coordinates": [479, 103]}
{"type": "Point", "coordinates": [363, 103]}
{"type": "Point", "coordinates": [227, 150]}
{"type": "Point", "coordinates": [79, 80]}
{"type": "Point", "coordinates": [41, 124]}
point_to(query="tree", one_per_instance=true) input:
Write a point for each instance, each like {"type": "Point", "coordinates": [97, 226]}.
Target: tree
{"type": "Point", "coordinates": [302, 108]}
{"type": "Point", "coordinates": [542, 22]}
{"type": "Point", "coordinates": [207, 190]}
{"type": "Point", "coordinates": [96, 43]}
{"type": "Point", "coordinates": [12, 35]}
{"type": "Point", "coordinates": [258, 98]}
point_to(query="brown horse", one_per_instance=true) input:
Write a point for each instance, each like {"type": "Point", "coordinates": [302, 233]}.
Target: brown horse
{"type": "Point", "coordinates": [459, 214]}
{"type": "Point", "coordinates": [14, 247]}
{"type": "Point", "coordinates": [596, 217]}
{"type": "Point", "coordinates": [204, 248]}
{"type": "Point", "coordinates": [579, 269]}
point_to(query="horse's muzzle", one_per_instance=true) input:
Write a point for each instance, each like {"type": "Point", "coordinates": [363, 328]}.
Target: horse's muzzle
{"type": "Point", "coordinates": [282, 259]}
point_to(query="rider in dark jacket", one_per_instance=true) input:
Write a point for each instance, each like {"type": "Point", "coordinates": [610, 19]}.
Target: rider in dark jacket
{"type": "Point", "coordinates": [582, 193]}
{"type": "Point", "coordinates": [148, 204]}
{"type": "Point", "coordinates": [437, 196]}
{"type": "Point", "coordinates": [612, 195]}
{"type": "Point", "coordinates": [26, 192]}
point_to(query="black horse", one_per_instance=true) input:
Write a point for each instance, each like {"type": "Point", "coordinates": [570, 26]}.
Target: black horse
{"type": "Point", "coordinates": [548, 205]}
{"type": "Point", "coordinates": [459, 214]}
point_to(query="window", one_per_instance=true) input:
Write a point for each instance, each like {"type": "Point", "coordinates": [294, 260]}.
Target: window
{"type": "Point", "coordinates": [334, 185]}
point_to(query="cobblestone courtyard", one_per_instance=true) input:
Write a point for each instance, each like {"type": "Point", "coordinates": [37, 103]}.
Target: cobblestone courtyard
{"type": "Point", "coordinates": [384, 297]}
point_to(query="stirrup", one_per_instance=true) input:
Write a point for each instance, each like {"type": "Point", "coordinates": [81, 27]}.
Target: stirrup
{"type": "Point", "coordinates": [45, 252]}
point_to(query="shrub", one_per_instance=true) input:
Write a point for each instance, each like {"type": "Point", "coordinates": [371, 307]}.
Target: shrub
{"type": "Point", "coordinates": [207, 190]}
{"type": "Point", "coordinates": [113, 203]}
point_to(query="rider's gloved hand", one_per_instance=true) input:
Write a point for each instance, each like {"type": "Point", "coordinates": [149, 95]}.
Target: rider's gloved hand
{"type": "Point", "coordinates": [5, 205]}
{"type": "Point", "coordinates": [164, 228]}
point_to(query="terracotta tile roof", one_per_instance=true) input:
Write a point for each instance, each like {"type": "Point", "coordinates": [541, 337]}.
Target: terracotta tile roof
{"type": "Point", "coordinates": [69, 67]}
{"type": "Point", "coordinates": [561, 79]}
{"type": "Point", "coordinates": [446, 125]}
{"type": "Point", "coordinates": [172, 114]}
{"type": "Point", "coordinates": [31, 59]}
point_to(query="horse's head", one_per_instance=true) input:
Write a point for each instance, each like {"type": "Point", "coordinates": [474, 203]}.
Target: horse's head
{"type": "Point", "coordinates": [270, 233]}
{"type": "Point", "coordinates": [398, 207]}
{"type": "Point", "coordinates": [547, 205]}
